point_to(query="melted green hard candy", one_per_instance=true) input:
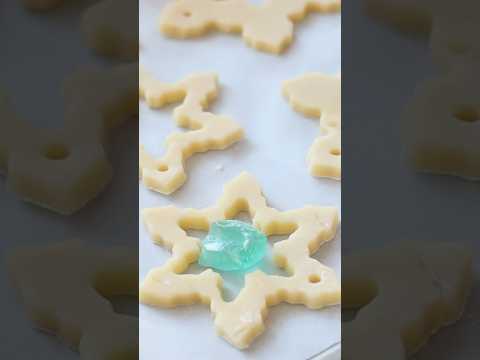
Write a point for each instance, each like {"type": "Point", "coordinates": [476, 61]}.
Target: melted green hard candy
{"type": "Point", "coordinates": [232, 245]}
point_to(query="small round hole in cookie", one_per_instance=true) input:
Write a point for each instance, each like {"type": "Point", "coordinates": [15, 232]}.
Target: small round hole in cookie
{"type": "Point", "coordinates": [467, 114]}
{"type": "Point", "coordinates": [314, 278]}
{"type": "Point", "coordinates": [335, 152]}
{"type": "Point", "coordinates": [162, 167]}
{"type": "Point", "coordinates": [56, 152]}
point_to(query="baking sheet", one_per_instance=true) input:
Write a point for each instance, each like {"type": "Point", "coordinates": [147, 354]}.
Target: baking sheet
{"type": "Point", "coordinates": [274, 150]}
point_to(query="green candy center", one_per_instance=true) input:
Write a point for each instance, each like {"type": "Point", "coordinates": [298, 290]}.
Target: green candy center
{"type": "Point", "coordinates": [233, 245]}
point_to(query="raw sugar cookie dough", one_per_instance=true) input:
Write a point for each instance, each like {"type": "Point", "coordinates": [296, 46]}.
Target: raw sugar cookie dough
{"type": "Point", "coordinates": [109, 30]}
{"type": "Point", "coordinates": [266, 27]}
{"type": "Point", "coordinates": [319, 96]}
{"type": "Point", "coordinates": [72, 303]}
{"type": "Point", "coordinates": [408, 15]}
{"type": "Point", "coordinates": [65, 168]}
{"type": "Point", "coordinates": [208, 131]}
{"type": "Point", "coordinates": [427, 284]}
{"type": "Point", "coordinates": [242, 320]}
{"type": "Point", "coordinates": [419, 15]}
{"type": "Point", "coordinates": [441, 124]}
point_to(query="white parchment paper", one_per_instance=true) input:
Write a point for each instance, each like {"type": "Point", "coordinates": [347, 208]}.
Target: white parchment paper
{"type": "Point", "coordinates": [274, 150]}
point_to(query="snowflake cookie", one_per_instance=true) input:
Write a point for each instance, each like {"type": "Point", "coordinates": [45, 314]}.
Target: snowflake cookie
{"type": "Point", "coordinates": [63, 169]}
{"type": "Point", "coordinates": [426, 286]}
{"type": "Point", "coordinates": [407, 15]}
{"type": "Point", "coordinates": [310, 283]}
{"type": "Point", "coordinates": [420, 15]}
{"type": "Point", "coordinates": [319, 96]}
{"type": "Point", "coordinates": [109, 30]}
{"type": "Point", "coordinates": [208, 131]}
{"type": "Point", "coordinates": [266, 27]}
{"type": "Point", "coordinates": [64, 288]}
{"type": "Point", "coordinates": [442, 124]}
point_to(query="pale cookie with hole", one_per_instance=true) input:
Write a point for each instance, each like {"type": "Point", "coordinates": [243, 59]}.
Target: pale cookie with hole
{"type": "Point", "coordinates": [425, 285]}
{"type": "Point", "coordinates": [441, 124]}
{"type": "Point", "coordinates": [267, 27]}
{"type": "Point", "coordinates": [109, 30]}
{"type": "Point", "coordinates": [242, 320]}
{"type": "Point", "coordinates": [63, 169]}
{"type": "Point", "coordinates": [208, 131]}
{"type": "Point", "coordinates": [319, 96]}
{"type": "Point", "coordinates": [64, 288]}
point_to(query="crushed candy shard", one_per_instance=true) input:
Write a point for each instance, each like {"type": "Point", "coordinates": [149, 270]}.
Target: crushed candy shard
{"type": "Point", "coordinates": [232, 245]}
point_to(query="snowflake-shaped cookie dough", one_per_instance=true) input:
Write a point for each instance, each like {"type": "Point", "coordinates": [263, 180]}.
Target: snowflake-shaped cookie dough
{"type": "Point", "coordinates": [64, 288]}
{"type": "Point", "coordinates": [208, 131]}
{"type": "Point", "coordinates": [425, 285]}
{"type": "Point", "coordinates": [319, 96]}
{"type": "Point", "coordinates": [407, 15]}
{"type": "Point", "coordinates": [63, 169]}
{"type": "Point", "coordinates": [442, 124]}
{"type": "Point", "coordinates": [267, 27]}
{"type": "Point", "coordinates": [452, 25]}
{"type": "Point", "coordinates": [111, 28]}
{"type": "Point", "coordinates": [242, 320]}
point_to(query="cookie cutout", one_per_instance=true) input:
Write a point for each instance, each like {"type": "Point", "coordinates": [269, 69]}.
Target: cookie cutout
{"type": "Point", "coordinates": [442, 124]}
{"type": "Point", "coordinates": [242, 320]}
{"type": "Point", "coordinates": [414, 16]}
{"type": "Point", "coordinates": [318, 95]}
{"type": "Point", "coordinates": [208, 131]}
{"type": "Point", "coordinates": [63, 169]}
{"type": "Point", "coordinates": [427, 284]}
{"type": "Point", "coordinates": [109, 31]}
{"type": "Point", "coordinates": [70, 303]}
{"type": "Point", "coordinates": [267, 27]}
{"type": "Point", "coordinates": [419, 16]}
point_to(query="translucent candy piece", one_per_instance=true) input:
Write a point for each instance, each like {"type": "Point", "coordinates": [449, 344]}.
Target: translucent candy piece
{"type": "Point", "coordinates": [233, 245]}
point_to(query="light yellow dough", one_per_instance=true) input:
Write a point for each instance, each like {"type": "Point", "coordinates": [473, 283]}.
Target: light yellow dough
{"type": "Point", "coordinates": [64, 287]}
{"type": "Point", "coordinates": [319, 96]}
{"type": "Point", "coordinates": [111, 29]}
{"type": "Point", "coordinates": [405, 294]}
{"type": "Point", "coordinates": [208, 131]}
{"type": "Point", "coordinates": [408, 15]}
{"type": "Point", "coordinates": [242, 320]}
{"type": "Point", "coordinates": [442, 121]}
{"type": "Point", "coordinates": [267, 27]}
{"type": "Point", "coordinates": [63, 169]}
{"type": "Point", "coordinates": [420, 15]}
